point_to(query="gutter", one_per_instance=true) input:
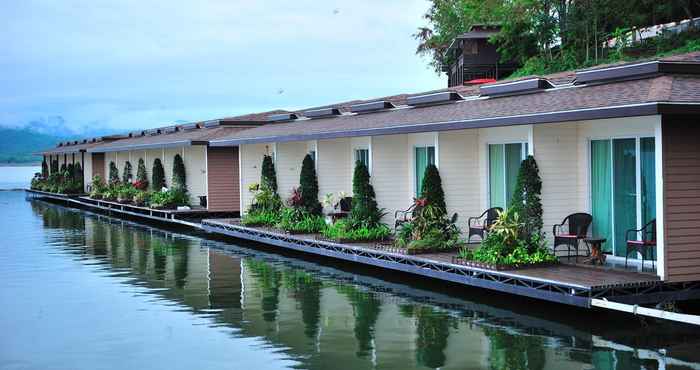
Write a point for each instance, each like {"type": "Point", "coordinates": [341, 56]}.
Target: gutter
{"type": "Point", "coordinates": [173, 144]}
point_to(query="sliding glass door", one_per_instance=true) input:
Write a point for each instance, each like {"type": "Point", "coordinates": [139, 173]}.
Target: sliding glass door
{"type": "Point", "coordinates": [504, 165]}
{"type": "Point", "coordinates": [622, 188]}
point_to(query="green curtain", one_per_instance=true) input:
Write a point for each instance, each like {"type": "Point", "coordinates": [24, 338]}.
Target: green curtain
{"type": "Point", "coordinates": [647, 159]}
{"type": "Point", "coordinates": [496, 174]}
{"type": "Point", "coordinates": [514, 157]}
{"type": "Point", "coordinates": [624, 190]}
{"type": "Point", "coordinates": [601, 191]}
{"type": "Point", "coordinates": [424, 157]}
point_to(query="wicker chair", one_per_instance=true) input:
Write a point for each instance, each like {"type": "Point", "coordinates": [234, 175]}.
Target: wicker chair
{"type": "Point", "coordinates": [481, 224]}
{"type": "Point", "coordinates": [648, 242]}
{"type": "Point", "coordinates": [577, 224]}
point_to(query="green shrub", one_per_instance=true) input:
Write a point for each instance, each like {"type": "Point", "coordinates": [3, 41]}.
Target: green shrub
{"type": "Point", "coordinates": [126, 192]}
{"type": "Point", "coordinates": [430, 229]}
{"type": "Point", "coordinates": [509, 243]}
{"type": "Point", "coordinates": [262, 218]}
{"type": "Point", "coordinates": [157, 175]}
{"type": "Point", "coordinates": [171, 198]}
{"type": "Point", "coordinates": [141, 198]}
{"type": "Point", "coordinates": [113, 174]}
{"type": "Point", "coordinates": [179, 176]}
{"type": "Point", "coordinates": [127, 176]}
{"type": "Point", "coordinates": [298, 220]}
{"type": "Point", "coordinates": [308, 185]}
{"type": "Point", "coordinates": [141, 182]}
{"type": "Point", "coordinates": [527, 198]}
{"type": "Point", "coordinates": [268, 176]}
{"type": "Point", "coordinates": [432, 188]}
{"type": "Point", "coordinates": [44, 169]}
{"type": "Point", "coordinates": [341, 231]}
{"type": "Point", "coordinates": [364, 213]}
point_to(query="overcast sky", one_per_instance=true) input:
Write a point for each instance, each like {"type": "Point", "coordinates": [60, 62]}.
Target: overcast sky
{"type": "Point", "coordinates": [134, 63]}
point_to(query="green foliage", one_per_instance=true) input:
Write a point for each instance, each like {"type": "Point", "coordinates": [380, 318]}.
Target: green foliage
{"type": "Point", "coordinates": [57, 182]}
{"type": "Point", "coordinates": [527, 197]}
{"type": "Point", "coordinates": [127, 175]}
{"type": "Point", "coordinates": [44, 169]}
{"type": "Point", "coordinates": [308, 184]}
{"type": "Point", "coordinates": [179, 176]}
{"type": "Point", "coordinates": [268, 177]}
{"type": "Point", "coordinates": [113, 174]}
{"type": "Point", "coordinates": [157, 175]}
{"type": "Point", "coordinates": [298, 220]}
{"type": "Point", "coordinates": [547, 36]}
{"type": "Point", "coordinates": [432, 189]}
{"type": "Point", "coordinates": [141, 198]}
{"type": "Point", "coordinates": [364, 213]}
{"type": "Point", "coordinates": [342, 231]}
{"type": "Point", "coordinates": [430, 229]}
{"type": "Point", "coordinates": [509, 243]}
{"type": "Point", "coordinates": [126, 193]}
{"type": "Point", "coordinates": [170, 198]}
{"type": "Point", "coordinates": [261, 218]}
{"type": "Point", "coordinates": [141, 182]}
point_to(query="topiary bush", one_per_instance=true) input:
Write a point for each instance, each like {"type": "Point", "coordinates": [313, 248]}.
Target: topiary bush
{"type": "Point", "coordinates": [141, 182]}
{"type": "Point", "coordinates": [364, 212]}
{"type": "Point", "coordinates": [432, 188]}
{"type": "Point", "coordinates": [113, 174]}
{"type": "Point", "coordinates": [126, 174]}
{"type": "Point", "coordinates": [44, 169]}
{"type": "Point", "coordinates": [179, 177]}
{"type": "Point", "coordinates": [308, 184]}
{"type": "Point", "coordinates": [268, 176]}
{"type": "Point", "coordinates": [527, 200]}
{"type": "Point", "coordinates": [158, 175]}
{"type": "Point", "coordinates": [78, 175]}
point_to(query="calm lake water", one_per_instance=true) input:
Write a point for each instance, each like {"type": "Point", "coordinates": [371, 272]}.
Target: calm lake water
{"type": "Point", "coordinates": [17, 177]}
{"type": "Point", "coordinates": [82, 291]}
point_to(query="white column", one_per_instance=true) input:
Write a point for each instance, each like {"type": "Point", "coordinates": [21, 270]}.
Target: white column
{"type": "Point", "coordinates": [660, 237]}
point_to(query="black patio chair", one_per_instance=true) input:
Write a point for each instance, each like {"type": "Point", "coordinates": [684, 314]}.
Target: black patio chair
{"type": "Point", "coordinates": [345, 204]}
{"type": "Point", "coordinates": [648, 242]}
{"type": "Point", "coordinates": [577, 229]}
{"type": "Point", "coordinates": [403, 216]}
{"type": "Point", "coordinates": [480, 225]}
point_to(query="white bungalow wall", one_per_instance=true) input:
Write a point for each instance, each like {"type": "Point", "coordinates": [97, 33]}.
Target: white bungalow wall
{"type": "Point", "coordinates": [459, 168]}
{"type": "Point", "coordinates": [196, 172]}
{"type": "Point", "coordinates": [87, 170]}
{"type": "Point", "coordinates": [251, 156]}
{"type": "Point", "coordinates": [390, 173]}
{"type": "Point", "coordinates": [334, 168]}
{"type": "Point", "coordinates": [288, 166]}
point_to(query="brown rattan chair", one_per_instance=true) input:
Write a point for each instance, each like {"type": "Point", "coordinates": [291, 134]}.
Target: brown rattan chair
{"type": "Point", "coordinates": [403, 216]}
{"type": "Point", "coordinates": [481, 224]}
{"type": "Point", "coordinates": [648, 242]}
{"type": "Point", "coordinates": [577, 229]}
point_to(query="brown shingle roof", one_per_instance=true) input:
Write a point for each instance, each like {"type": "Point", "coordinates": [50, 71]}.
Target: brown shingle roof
{"type": "Point", "coordinates": [474, 112]}
{"type": "Point", "coordinates": [179, 138]}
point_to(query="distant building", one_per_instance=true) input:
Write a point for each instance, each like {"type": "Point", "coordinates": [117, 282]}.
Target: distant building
{"type": "Point", "coordinates": [474, 60]}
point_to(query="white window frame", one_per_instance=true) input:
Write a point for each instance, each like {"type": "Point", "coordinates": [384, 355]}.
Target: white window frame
{"type": "Point", "coordinates": [525, 150]}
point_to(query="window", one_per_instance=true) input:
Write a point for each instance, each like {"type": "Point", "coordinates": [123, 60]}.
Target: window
{"type": "Point", "coordinates": [362, 155]}
{"type": "Point", "coordinates": [424, 156]}
{"type": "Point", "coordinates": [504, 165]}
{"type": "Point", "coordinates": [312, 153]}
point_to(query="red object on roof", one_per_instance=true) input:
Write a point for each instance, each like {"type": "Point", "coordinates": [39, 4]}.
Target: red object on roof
{"type": "Point", "coordinates": [479, 81]}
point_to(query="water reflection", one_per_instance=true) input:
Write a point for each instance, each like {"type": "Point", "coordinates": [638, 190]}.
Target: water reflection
{"type": "Point", "coordinates": [324, 317]}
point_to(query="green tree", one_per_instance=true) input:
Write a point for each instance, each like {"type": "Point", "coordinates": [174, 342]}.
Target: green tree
{"type": "Point", "coordinates": [113, 173]}
{"type": "Point", "coordinates": [308, 183]}
{"type": "Point", "coordinates": [527, 196]}
{"type": "Point", "coordinates": [364, 212]}
{"type": "Point", "coordinates": [179, 176]}
{"type": "Point", "coordinates": [126, 173]}
{"type": "Point", "coordinates": [141, 175]}
{"type": "Point", "coordinates": [78, 174]}
{"type": "Point", "coordinates": [157, 175]}
{"type": "Point", "coordinates": [44, 169]}
{"type": "Point", "coordinates": [432, 188]}
{"type": "Point", "coordinates": [269, 176]}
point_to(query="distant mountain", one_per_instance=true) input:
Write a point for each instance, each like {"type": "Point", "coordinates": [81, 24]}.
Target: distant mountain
{"type": "Point", "coordinates": [17, 145]}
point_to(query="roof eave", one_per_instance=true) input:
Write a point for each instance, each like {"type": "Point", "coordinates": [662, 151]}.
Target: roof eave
{"type": "Point", "coordinates": [630, 110]}
{"type": "Point", "coordinates": [110, 149]}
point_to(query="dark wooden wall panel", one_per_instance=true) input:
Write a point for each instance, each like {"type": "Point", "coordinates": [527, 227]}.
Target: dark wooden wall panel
{"type": "Point", "coordinates": [681, 171]}
{"type": "Point", "coordinates": [223, 181]}
{"type": "Point", "coordinates": [98, 165]}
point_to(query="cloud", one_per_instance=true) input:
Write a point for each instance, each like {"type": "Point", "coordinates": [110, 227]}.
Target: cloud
{"type": "Point", "coordinates": [128, 64]}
